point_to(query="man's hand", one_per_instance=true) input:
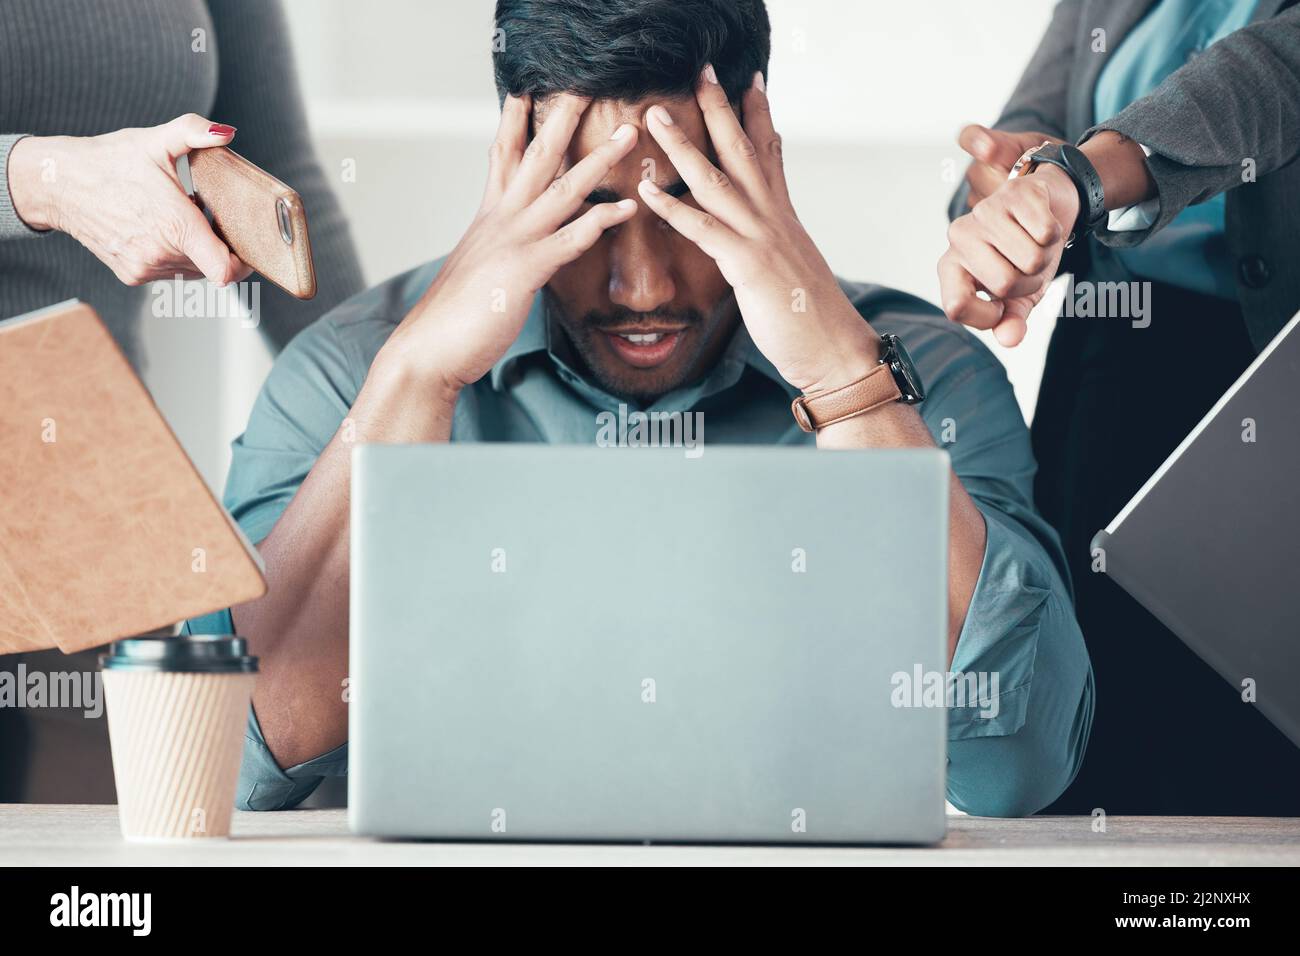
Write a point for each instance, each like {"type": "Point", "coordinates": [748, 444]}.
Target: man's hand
{"type": "Point", "coordinates": [789, 300]}
{"type": "Point", "coordinates": [994, 152]}
{"type": "Point", "coordinates": [1009, 246]}
{"type": "Point", "coordinates": [520, 237]}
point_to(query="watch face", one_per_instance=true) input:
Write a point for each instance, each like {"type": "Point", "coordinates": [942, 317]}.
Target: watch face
{"type": "Point", "coordinates": [1024, 165]}
{"type": "Point", "coordinates": [904, 372]}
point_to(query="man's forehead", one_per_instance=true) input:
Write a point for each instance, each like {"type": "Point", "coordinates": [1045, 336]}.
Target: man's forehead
{"type": "Point", "coordinates": [603, 116]}
{"type": "Point", "coordinates": [622, 110]}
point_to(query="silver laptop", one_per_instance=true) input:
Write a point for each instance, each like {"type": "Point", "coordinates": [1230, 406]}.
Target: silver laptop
{"type": "Point", "coordinates": [582, 643]}
{"type": "Point", "coordinates": [1211, 543]}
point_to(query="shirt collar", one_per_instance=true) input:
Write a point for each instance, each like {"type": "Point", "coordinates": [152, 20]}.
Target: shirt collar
{"type": "Point", "coordinates": [747, 353]}
{"type": "Point", "coordinates": [532, 338]}
{"type": "Point", "coordinates": [741, 352]}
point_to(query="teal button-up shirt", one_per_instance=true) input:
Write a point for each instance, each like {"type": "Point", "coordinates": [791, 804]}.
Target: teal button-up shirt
{"type": "Point", "coordinates": [1021, 623]}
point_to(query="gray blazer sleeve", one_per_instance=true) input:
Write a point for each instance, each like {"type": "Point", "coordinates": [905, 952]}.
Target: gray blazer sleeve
{"type": "Point", "coordinates": [1039, 101]}
{"type": "Point", "coordinates": [1238, 100]}
{"type": "Point", "coordinates": [258, 93]}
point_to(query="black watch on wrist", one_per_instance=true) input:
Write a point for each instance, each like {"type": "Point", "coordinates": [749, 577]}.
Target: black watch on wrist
{"type": "Point", "coordinates": [906, 377]}
{"type": "Point", "coordinates": [1071, 159]}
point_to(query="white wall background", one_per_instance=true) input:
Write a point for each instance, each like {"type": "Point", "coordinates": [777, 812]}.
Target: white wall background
{"type": "Point", "coordinates": [869, 95]}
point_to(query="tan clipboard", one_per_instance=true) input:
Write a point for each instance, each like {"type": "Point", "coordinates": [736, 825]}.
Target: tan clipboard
{"type": "Point", "coordinates": [106, 528]}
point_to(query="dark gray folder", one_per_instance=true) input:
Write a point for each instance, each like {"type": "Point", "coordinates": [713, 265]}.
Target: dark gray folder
{"type": "Point", "coordinates": [1211, 544]}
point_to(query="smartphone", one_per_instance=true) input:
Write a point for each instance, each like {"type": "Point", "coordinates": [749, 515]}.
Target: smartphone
{"type": "Point", "coordinates": [260, 218]}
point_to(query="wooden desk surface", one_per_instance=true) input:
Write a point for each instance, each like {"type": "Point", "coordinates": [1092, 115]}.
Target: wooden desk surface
{"type": "Point", "coordinates": [57, 835]}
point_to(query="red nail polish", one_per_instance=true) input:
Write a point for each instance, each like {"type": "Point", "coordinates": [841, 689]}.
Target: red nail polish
{"type": "Point", "coordinates": [221, 129]}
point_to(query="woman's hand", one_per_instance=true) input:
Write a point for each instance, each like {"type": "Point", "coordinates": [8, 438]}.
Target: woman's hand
{"type": "Point", "coordinates": [119, 196]}
{"type": "Point", "coordinates": [994, 152]}
{"type": "Point", "coordinates": [1009, 247]}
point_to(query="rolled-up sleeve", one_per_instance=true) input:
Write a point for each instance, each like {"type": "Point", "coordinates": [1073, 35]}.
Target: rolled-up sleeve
{"type": "Point", "coordinates": [306, 396]}
{"type": "Point", "coordinates": [1014, 752]}
{"type": "Point", "coordinates": [263, 785]}
{"type": "Point", "coordinates": [1014, 748]}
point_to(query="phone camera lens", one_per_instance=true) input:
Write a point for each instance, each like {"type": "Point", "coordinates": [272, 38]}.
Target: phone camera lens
{"type": "Point", "coordinates": [286, 222]}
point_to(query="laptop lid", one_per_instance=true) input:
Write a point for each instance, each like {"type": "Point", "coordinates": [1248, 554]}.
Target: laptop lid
{"type": "Point", "coordinates": [574, 643]}
{"type": "Point", "coordinates": [1211, 543]}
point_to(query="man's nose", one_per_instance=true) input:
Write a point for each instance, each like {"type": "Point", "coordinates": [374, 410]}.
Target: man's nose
{"type": "Point", "coordinates": [640, 273]}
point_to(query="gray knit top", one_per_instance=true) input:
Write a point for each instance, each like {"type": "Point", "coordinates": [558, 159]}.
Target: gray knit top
{"type": "Point", "coordinates": [84, 67]}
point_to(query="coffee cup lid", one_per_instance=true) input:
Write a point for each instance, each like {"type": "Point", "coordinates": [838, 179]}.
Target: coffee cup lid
{"type": "Point", "coordinates": [186, 653]}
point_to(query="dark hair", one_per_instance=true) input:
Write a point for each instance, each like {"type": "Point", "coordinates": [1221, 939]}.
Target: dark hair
{"type": "Point", "coordinates": [627, 49]}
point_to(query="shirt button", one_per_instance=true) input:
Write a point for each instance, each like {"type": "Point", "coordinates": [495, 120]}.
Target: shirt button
{"type": "Point", "coordinates": [1254, 271]}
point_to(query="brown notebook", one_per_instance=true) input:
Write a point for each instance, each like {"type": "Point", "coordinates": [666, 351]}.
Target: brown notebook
{"type": "Point", "coordinates": [106, 528]}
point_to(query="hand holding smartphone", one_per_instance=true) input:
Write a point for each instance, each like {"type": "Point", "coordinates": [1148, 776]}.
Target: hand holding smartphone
{"type": "Point", "coordinates": [260, 218]}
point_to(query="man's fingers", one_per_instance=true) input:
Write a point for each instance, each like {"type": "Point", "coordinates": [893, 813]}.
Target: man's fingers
{"type": "Point", "coordinates": [762, 133]}
{"type": "Point", "coordinates": [961, 303]}
{"type": "Point", "coordinates": [192, 131]}
{"type": "Point", "coordinates": [544, 155]}
{"type": "Point", "coordinates": [569, 191]}
{"type": "Point", "coordinates": [711, 187]}
{"type": "Point", "coordinates": [577, 237]}
{"type": "Point", "coordinates": [737, 154]}
{"type": "Point", "coordinates": [701, 227]}
{"type": "Point", "coordinates": [507, 149]}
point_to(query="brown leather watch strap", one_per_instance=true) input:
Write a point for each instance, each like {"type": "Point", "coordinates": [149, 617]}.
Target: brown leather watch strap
{"type": "Point", "coordinates": [814, 412]}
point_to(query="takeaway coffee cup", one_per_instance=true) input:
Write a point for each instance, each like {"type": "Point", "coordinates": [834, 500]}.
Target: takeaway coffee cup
{"type": "Point", "coordinates": [177, 708]}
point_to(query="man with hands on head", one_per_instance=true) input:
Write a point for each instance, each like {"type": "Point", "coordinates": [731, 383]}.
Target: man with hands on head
{"type": "Point", "coordinates": [1182, 196]}
{"type": "Point", "coordinates": [642, 248]}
